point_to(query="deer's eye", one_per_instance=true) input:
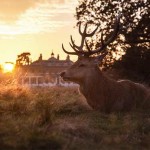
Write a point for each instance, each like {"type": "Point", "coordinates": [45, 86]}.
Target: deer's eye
{"type": "Point", "coordinates": [82, 65]}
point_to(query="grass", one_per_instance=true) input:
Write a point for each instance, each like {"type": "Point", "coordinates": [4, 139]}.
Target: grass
{"type": "Point", "coordinates": [59, 119]}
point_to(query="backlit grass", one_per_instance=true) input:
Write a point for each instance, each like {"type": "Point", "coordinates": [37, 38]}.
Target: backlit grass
{"type": "Point", "coordinates": [59, 118]}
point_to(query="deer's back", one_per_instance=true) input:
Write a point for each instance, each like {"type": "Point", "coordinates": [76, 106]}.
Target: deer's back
{"type": "Point", "coordinates": [113, 96]}
{"type": "Point", "coordinates": [136, 95]}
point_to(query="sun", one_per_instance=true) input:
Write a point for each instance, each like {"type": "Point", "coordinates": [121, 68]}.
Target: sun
{"type": "Point", "coordinates": [8, 67]}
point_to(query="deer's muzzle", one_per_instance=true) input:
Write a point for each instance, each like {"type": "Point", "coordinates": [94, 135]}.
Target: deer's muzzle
{"type": "Point", "coordinates": [63, 75]}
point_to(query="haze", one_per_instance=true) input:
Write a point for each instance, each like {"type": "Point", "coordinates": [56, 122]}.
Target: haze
{"type": "Point", "coordinates": [35, 26]}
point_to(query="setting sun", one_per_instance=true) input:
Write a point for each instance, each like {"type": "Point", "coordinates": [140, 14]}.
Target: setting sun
{"type": "Point", "coordinates": [8, 67]}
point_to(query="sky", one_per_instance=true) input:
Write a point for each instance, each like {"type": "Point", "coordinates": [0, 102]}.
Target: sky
{"type": "Point", "coordinates": [36, 26]}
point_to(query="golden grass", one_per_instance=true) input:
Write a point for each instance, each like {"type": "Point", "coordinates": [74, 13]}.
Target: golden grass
{"type": "Point", "coordinates": [59, 118]}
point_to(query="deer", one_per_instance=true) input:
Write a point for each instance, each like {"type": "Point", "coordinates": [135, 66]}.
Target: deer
{"type": "Point", "coordinates": [103, 93]}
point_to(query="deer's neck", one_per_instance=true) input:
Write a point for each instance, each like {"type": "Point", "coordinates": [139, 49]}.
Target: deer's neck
{"type": "Point", "coordinates": [95, 80]}
{"type": "Point", "coordinates": [96, 88]}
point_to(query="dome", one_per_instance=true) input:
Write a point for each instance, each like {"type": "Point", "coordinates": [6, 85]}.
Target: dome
{"type": "Point", "coordinates": [52, 59]}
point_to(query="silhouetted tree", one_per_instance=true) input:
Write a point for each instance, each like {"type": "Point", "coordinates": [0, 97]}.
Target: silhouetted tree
{"type": "Point", "coordinates": [134, 38]}
{"type": "Point", "coordinates": [23, 59]}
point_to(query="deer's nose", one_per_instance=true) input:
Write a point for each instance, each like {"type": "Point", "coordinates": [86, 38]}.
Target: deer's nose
{"type": "Point", "coordinates": [62, 73]}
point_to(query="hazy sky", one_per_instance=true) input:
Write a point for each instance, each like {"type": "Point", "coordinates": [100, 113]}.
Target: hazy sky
{"type": "Point", "coordinates": [36, 26]}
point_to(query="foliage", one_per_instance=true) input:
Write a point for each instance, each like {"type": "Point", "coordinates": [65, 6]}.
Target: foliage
{"type": "Point", "coordinates": [23, 59]}
{"type": "Point", "coordinates": [58, 118]}
{"type": "Point", "coordinates": [135, 15]}
{"type": "Point", "coordinates": [134, 28]}
{"type": "Point", "coordinates": [135, 65]}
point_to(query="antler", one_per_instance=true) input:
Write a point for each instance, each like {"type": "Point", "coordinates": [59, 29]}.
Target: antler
{"type": "Point", "coordinates": [79, 49]}
{"type": "Point", "coordinates": [110, 40]}
{"type": "Point", "coordinates": [84, 34]}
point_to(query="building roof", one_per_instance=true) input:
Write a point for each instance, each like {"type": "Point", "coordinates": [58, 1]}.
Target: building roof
{"type": "Point", "coordinates": [52, 61]}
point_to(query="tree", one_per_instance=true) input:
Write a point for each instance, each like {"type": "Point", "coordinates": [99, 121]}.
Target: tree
{"type": "Point", "coordinates": [23, 59]}
{"type": "Point", "coordinates": [134, 38]}
{"type": "Point", "coordinates": [135, 14]}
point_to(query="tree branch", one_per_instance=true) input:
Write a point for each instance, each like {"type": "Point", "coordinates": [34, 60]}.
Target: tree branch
{"type": "Point", "coordinates": [136, 41]}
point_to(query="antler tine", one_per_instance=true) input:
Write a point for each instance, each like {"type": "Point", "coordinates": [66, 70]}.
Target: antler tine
{"type": "Point", "coordinates": [90, 52]}
{"type": "Point", "coordinates": [80, 48]}
{"type": "Point", "coordinates": [102, 40]}
{"type": "Point", "coordinates": [111, 39]}
{"type": "Point", "coordinates": [102, 44]}
{"type": "Point", "coordinates": [71, 53]}
{"type": "Point", "coordinates": [72, 40]}
{"type": "Point", "coordinates": [85, 29]}
{"type": "Point", "coordinates": [87, 46]}
{"type": "Point", "coordinates": [74, 48]}
{"type": "Point", "coordinates": [80, 28]}
{"type": "Point", "coordinates": [73, 44]}
{"type": "Point", "coordinates": [91, 34]}
{"type": "Point", "coordinates": [84, 34]}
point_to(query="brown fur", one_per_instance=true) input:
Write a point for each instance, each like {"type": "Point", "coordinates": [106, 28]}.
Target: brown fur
{"type": "Point", "coordinates": [103, 93]}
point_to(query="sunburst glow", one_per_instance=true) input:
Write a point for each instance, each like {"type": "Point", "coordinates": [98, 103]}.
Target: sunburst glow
{"type": "Point", "coordinates": [8, 67]}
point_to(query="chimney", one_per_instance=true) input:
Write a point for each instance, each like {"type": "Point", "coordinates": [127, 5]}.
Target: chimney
{"type": "Point", "coordinates": [58, 57]}
{"type": "Point", "coordinates": [40, 58]}
{"type": "Point", "coordinates": [68, 58]}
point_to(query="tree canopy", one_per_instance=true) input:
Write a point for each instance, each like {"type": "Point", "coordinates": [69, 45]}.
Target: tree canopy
{"type": "Point", "coordinates": [135, 16]}
{"type": "Point", "coordinates": [23, 59]}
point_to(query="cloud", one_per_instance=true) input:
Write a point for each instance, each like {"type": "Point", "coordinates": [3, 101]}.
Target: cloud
{"type": "Point", "coordinates": [10, 10]}
{"type": "Point", "coordinates": [39, 17]}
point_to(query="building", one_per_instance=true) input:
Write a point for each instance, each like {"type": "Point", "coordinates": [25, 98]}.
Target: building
{"type": "Point", "coordinates": [44, 72]}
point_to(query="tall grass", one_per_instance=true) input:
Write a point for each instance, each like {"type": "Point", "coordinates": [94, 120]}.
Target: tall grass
{"type": "Point", "coordinates": [59, 118]}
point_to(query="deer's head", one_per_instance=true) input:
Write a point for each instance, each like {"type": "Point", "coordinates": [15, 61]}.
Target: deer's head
{"type": "Point", "coordinates": [87, 63]}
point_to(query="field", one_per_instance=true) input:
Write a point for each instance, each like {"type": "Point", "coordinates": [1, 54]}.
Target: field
{"type": "Point", "coordinates": [59, 119]}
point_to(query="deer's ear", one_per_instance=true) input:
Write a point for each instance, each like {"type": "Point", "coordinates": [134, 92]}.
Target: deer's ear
{"type": "Point", "coordinates": [99, 59]}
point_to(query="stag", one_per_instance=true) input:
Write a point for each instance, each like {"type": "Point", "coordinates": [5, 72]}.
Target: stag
{"type": "Point", "coordinates": [101, 92]}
